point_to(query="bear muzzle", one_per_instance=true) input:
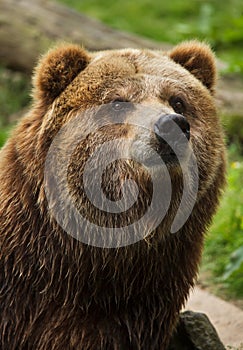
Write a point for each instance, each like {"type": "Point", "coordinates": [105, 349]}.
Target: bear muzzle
{"type": "Point", "coordinates": [172, 135]}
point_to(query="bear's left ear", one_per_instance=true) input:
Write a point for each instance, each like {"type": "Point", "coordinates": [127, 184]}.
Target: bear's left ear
{"type": "Point", "coordinates": [198, 59]}
{"type": "Point", "coordinates": [56, 71]}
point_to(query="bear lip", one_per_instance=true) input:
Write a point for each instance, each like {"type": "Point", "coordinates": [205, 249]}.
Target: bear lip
{"type": "Point", "coordinates": [160, 154]}
{"type": "Point", "coordinates": [171, 155]}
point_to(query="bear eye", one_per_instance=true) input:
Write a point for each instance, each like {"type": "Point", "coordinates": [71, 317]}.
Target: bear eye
{"type": "Point", "coordinates": [118, 105]}
{"type": "Point", "coordinates": [177, 104]}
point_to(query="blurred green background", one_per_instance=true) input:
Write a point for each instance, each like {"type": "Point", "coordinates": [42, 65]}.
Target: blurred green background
{"type": "Point", "coordinates": [218, 22]}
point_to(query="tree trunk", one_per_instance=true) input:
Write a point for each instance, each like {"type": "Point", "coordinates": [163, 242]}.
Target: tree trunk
{"type": "Point", "coordinates": [29, 27]}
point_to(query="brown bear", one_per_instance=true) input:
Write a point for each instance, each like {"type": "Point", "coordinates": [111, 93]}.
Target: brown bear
{"type": "Point", "coordinates": [85, 262]}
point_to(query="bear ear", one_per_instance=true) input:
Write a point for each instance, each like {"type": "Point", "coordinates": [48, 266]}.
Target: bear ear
{"type": "Point", "coordinates": [198, 59]}
{"type": "Point", "coordinates": [56, 70]}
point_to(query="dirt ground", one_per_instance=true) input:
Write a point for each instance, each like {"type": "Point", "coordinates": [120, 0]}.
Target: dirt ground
{"type": "Point", "coordinates": [226, 317]}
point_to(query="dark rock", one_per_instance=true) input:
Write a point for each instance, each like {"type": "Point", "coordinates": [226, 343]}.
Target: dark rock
{"type": "Point", "coordinates": [195, 332]}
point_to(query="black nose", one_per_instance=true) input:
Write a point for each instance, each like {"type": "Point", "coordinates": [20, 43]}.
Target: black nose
{"type": "Point", "coordinates": [165, 125]}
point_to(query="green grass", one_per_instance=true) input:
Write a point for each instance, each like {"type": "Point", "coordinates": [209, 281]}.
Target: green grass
{"type": "Point", "coordinates": [4, 132]}
{"type": "Point", "coordinates": [223, 254]}
{"type": "Point", "coordinates": [14, 94]}
{"type": "Point", "coordinates": [218, 22]}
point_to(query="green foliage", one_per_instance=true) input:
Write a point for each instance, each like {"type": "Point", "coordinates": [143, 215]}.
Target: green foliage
{"type": "Point", "coordinates": [223, 252]}
{"type": "Point", "coordinates": [14, 93]}
{"type": "Point", "coordinates": [3, 135]}
{"type": "Point", "coordinates": [234, 131]}
{"type": "Point", "coordinates": [235, 263]}
{"type": "Point", "coordinates": [220, 23]}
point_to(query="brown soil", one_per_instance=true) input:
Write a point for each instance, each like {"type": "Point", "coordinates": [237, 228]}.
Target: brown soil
{"type": "Point", "coordinates": [226, 317]}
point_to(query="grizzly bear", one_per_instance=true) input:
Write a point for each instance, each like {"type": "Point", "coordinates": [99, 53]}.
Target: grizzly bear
{"type": "Point", "coordinates": [108, 186]}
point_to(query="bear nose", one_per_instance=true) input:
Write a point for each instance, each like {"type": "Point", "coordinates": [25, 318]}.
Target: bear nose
{"type": "Point", "coordinates": [165, 124]}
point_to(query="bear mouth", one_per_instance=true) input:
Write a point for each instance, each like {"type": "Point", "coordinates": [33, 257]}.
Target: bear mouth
{"type": "Point", "coordinates": [157, 154]}
{"type": "Point", "coordinates": [166, 153]}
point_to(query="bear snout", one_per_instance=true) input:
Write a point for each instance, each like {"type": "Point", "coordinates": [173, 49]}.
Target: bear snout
{"type": "Point", "coordinates": [167, 125]}
{"type": "Point", "coordinates": [171, 135]}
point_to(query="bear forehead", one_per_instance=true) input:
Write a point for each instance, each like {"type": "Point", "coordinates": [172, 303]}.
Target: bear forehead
{"type": "Point", "coordinates": [147, 71]}
{"type": "Point", "coordinates": [137, 61]}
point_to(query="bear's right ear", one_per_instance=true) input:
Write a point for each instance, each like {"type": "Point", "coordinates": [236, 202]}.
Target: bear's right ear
{"type": "Point", "coordinates": [198, 59]}
{"type": "Point", "coordinates": [56, 70]}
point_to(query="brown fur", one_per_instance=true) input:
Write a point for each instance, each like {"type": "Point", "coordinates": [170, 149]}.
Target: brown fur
{"type": "Point", "coordinates": [58, 293]}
